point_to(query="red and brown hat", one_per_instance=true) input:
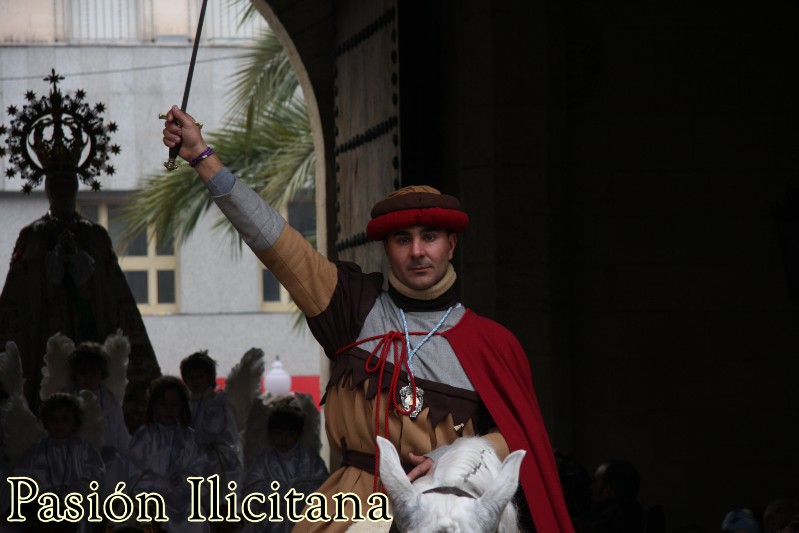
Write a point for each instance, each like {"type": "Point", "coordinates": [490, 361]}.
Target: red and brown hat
{"type": "Point", "coordinates": [417, 205]}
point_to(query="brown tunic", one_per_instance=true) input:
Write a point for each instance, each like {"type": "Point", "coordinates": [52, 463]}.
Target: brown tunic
{"type": "Point", "coordinates": [350, 420]}
{"type": "Point", "coordinates": [355, 412]}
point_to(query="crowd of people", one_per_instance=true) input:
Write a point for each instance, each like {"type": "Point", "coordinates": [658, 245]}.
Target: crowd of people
{"type": "Point", "coordinates": [189, 431]}
{"type": "Point", "coordinates": [607, 502]}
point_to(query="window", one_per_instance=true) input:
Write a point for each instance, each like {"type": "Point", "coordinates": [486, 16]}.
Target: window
{"type": "Point", "coordinates": [223, 22]}
{"type": "Point", "coordinates": [301, 214]}
{"type": "Point", "coordinates": [100, 20]}
{"type": "Point", "coordinates": [115, 21]}
{"type": "Point", "coordinates": [150, 265]}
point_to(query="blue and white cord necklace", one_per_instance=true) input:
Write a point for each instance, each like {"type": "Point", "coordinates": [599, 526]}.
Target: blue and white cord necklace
{"type": "Point", "coordinates": [407, 393]}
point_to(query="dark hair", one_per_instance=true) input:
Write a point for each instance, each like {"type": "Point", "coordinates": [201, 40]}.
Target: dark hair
{"type": "Point", "coordinates": [781, 514]}
{"type": "Point", "coordinates": [200, 361]}
{"type": "Point", "coordinates": [623, 478]}
{"type": "Point", "coordinates": [88, 356]}
{"type": "Point", "coordinates": [286, 419]}
{"type": "Point", "coordinates": [158, 389]}
{"type": "Point", "coordinates": [61, 400]}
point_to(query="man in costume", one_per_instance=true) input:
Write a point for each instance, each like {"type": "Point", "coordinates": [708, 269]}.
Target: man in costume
{"type": "Point", "coordinates": [411, 364]}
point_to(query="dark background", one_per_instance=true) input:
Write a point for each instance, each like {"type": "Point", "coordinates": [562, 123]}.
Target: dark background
{"type": "Point", "coordinates": [628, 169]}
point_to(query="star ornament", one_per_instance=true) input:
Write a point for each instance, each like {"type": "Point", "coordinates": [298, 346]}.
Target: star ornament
{"type": "Point", "coordinates": [54, 78]}
{"type": "Point", "coordinates": [58, 131]}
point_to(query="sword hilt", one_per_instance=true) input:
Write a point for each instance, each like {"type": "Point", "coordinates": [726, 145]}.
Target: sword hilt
{"type": "Point", "coordinates": [171, 164]}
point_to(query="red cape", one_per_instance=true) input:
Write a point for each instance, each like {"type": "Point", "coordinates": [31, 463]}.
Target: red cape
{"type": "Point", "coordinates": [500, 373]}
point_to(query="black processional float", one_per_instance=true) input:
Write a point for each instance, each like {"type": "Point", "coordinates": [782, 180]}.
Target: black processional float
{"type": "Point", "coordinates": [64, 276]}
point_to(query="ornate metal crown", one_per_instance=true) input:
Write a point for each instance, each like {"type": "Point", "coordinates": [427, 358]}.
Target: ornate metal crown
{"type": "Point", "coordinates": [58, 133]}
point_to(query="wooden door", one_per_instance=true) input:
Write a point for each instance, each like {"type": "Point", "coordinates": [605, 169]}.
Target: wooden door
{"type": "Point", "coordinates": [366, 114]}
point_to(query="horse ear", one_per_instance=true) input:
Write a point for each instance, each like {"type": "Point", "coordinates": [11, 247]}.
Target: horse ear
{"type": "Point", "coordinates": [499, 494]}
{"type": "Point", "coordinates": [393, 476]}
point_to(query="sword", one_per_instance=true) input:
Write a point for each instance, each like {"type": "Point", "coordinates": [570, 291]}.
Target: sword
{"type": "Point", "coordinates": [171, 164]}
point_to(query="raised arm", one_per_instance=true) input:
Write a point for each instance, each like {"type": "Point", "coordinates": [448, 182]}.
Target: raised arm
{"type": "Point", "coordinates": [307, 275]}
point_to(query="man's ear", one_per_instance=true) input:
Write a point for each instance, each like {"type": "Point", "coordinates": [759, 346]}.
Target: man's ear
{"type": "Point", "coordinates": [453, 240]}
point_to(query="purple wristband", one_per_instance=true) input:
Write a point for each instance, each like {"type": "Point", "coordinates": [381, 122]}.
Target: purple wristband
{"type": "Point", "coordinates": [205, 153]}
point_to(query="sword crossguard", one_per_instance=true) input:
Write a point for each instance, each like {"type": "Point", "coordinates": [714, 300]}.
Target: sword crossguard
{"type": "Point", "coordinates": [163, 116]}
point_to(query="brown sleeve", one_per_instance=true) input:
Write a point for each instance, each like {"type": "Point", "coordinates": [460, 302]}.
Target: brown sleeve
{"type": "Point", "coordinates": [306, 274]}
{"type": "Point", "coordinates": [354, 296]}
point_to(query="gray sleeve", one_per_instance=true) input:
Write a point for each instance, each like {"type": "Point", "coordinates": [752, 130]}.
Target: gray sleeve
{"type": "Point", "coordinates": [221, 183]}
{"type": "Point", "coordinates": [257, 222]}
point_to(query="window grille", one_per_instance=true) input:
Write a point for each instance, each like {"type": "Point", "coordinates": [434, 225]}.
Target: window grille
{"type": "Point", "coordinates": [100, 20]}
{"type": "Point", "coordinates": [125, 21]}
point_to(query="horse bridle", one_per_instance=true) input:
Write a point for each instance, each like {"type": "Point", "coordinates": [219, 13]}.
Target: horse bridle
{"type": "Point", "coordinates": [455, 491]}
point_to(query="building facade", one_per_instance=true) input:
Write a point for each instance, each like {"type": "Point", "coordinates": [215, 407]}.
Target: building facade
{"type": "Point", "coordinates": [133, 56]}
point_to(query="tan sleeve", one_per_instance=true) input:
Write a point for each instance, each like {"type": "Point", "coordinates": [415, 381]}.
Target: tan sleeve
{"type": "Point", "coordinates": [308, 276]}
{"type": "Point", "coordinates": [498, 442]}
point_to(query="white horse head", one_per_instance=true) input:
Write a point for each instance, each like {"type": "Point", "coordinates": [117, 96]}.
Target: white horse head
{"type": "Point", "coordinates": [467, 491]}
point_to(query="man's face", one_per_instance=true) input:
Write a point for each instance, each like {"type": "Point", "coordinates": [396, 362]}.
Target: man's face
{"type": "Point", "coordinates": [419, 256]}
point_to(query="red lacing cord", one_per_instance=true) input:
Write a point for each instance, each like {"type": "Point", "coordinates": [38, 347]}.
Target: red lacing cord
{"type": "Point", "coordinates": [387, 340]}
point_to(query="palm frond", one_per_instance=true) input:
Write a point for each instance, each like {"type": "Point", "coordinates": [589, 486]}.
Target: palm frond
{"type": "Point", "coordinates": [170, 203]}
{"type": "Point", "coordinates": [246, 10]}
{"type": "Point", "coordinates": [276, 158]}
{"type": "Point", "coordinates": [277, 161]}
{"type": "Point", "coordinates": [264, 80]}
{"type": "Point", "coordinates": [266, 142]}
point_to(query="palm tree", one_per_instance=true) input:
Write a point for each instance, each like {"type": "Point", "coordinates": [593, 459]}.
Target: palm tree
{"type": "Point", "coordinates": [266, 143]}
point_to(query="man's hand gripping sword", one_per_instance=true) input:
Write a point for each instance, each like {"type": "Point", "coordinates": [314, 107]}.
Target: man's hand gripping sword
{"type": "Point", "coordinates": [171, 163]}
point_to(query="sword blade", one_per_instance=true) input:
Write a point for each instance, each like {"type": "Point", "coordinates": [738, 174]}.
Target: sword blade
{"type": "Point", "coordinates": [173, 152]}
